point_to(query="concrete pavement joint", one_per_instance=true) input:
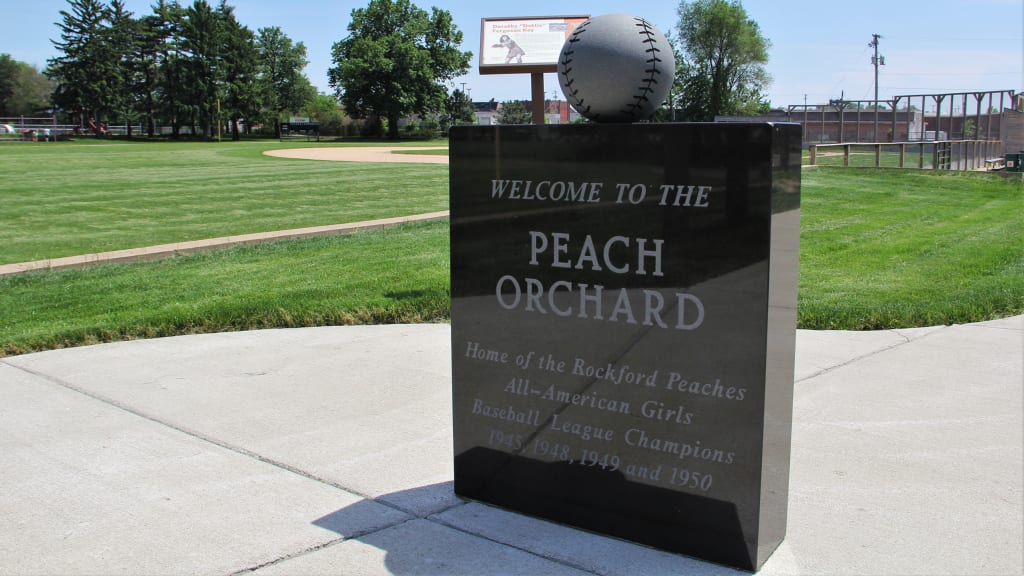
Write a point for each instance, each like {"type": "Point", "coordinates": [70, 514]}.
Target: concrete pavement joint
{"type": "Point", "coordinates": [558, 561]}
{"type": "Point", "coordinates": [203, 437]}
{"type": "Point", "coordinates": [906, 340]}
{"type": "Point", "coordinates": [412, 514]}
{"type": "Point", "coordinates": [994, 327]}
{"type": "Point", "coordinates": [301, 553]}
{"type": "Point", "coordinates": [319, 547]}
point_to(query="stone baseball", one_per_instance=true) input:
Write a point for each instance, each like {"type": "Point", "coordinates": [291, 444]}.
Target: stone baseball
{"type": "Point", "coordinates": [616, 68]}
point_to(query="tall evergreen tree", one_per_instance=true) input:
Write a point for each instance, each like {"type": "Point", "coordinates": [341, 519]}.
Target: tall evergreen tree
{"type": "Point", "coordinates": [195, 65]}
{"type": "Point", "coordinates": [168, 19]}
{"type": "Point", "coordinates": [202, 41]}
{"type": "Point", "coordinates": [83, 70]}
{"type": "Point", "coordinates": [240, 59]}
{"type": "Point", "coordinates": [121, 38]}
{"type": "Point", "coordinates": [283, 86]}
{"type": "Point", "coordinates": [146, 80]}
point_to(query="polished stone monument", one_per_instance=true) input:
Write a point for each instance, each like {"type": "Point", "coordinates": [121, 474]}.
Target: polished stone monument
{"type": "Point", "coordinates": [623, 325]}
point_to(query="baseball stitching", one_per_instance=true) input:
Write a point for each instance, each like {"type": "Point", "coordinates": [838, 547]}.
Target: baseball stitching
{"type": "Point", "coordinates": [642, 91]}
{"type": "Point", "coordinates": [652, 71]}
{"type": "Point", "coordinates": [577, 102]}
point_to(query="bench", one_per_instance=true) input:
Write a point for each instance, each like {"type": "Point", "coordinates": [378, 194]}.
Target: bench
{"type": "Point", "coordinates": [995, 163]}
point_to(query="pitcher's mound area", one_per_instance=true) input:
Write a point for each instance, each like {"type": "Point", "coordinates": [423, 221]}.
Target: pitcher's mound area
{"type": "Point", "coordinates": [363, 154]}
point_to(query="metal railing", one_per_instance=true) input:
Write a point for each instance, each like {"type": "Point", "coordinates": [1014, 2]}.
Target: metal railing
{"type": "Point", "coordinates": [29, 128]}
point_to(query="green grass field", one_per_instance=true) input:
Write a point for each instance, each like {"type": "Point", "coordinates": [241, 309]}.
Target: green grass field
{"type": "Point", "coordinates": [891, 248]}
{"type": "Point", "coordinates": [68, 199]}
{"type": "Point", "coordinates": [879, 249]}
{"type": "Point", "coordinates": [396, 275]}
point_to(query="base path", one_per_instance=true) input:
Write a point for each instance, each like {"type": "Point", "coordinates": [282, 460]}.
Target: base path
{"type": "Point", "coordinates": [181, 248]}
{"type": "Point", "coordinates": [364, 154]}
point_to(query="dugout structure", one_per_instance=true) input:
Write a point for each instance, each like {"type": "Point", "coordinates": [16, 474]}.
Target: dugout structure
{"type": "Point", "coordinates": [296, 130]}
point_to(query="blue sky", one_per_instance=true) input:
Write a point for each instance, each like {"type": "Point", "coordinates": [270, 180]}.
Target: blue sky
{"type": "Point", "coordinates": [819, 49]}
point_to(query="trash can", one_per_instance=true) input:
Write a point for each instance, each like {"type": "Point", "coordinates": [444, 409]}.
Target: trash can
{"type": "Point", "coordinates": [1013, 161]}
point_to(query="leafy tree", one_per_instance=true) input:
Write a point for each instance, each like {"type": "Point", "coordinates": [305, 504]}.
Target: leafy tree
{"type": "Point", "coordinates": [283, 87]}
{"type": "Point", "coordinates": [970, 129]}
{"type": "Point", "coordinates": [724, 55]}
{"type": "Point", "coordinates": [84, 69]}
{"type": "Point", "coordinates": [675, 102]}
{"type": "Point", "coordinates": [395, 60]}
{"type": "Point", "coordinates": [323, 108]}
{"type": "Point", "coordinates": [514, 112]}
{"type": "Point", "coordinates": [9, 71]}
{"type": "Point", "coordinates": [24, 91]}
{"type": "Point", "coordinates": [458, 108]}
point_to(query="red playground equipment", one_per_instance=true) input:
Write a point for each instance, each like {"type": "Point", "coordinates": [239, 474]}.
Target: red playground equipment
{"type": "Point", "coordinates": [100, 130]}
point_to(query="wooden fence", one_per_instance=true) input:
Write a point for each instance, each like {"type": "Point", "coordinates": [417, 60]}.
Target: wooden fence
{"type": "Point", "coordinates": [938, 155]}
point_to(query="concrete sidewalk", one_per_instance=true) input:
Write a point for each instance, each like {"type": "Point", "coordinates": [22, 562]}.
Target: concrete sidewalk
{"type": "Point", "coordinates": [328, 451]}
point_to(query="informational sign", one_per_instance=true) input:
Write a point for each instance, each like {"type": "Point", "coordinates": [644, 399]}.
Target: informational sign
{"type": "Point", "coordinates": [524, 44]}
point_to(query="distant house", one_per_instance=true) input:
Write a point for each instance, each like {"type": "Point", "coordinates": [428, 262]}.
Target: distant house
{"type": "Point", "coordinates": [555, 112]}
{"type": "Point", "coordinates": [487, 112]}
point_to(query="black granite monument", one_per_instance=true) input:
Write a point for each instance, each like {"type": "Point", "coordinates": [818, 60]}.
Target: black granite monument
{"type": "Point", "coordinates": [623, 325]}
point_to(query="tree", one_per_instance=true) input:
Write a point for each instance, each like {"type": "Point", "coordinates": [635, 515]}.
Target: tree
{"type": "Point", "coordinates": [146, 80]}
{"type": "Point", "coordinates": [240, 58]}
{"type": "Point", "coordinates": [514, 112]}
{"type": "Point", "coordinates": [9, 71]}
{"type": "Point", "coordinates": [724, 55]}
{"type": "Point", "coordinates": [201, 40]}
{"type": "Point", "coordinates": [168, 22]}
{"type": "Point", "coordinates": [283, 86]}
{"type": "Point", "coordinates": [323, 108]}
{"type": "Point", "coordinates": [675, 102]}
{"type": "Point", "coordinates": [122, 34]}
{"type": "Point", "coordinates": [219, 66]}
{"type": "Point", "coordinates": [24, 91]}
{"type": "Point", "coordinates": [395, 61]}
{"type": "Point", "coordinates": [84, 70]}
{"type": "Point", "coordinates": [458, 108]}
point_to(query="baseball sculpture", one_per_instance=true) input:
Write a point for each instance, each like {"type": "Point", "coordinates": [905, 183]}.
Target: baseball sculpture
{"type": "Point", "coordinates": [616, 68]}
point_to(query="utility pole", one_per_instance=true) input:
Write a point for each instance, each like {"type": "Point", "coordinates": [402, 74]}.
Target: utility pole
{"type": "Point", "coordinates": [876, 61]}
{"type": "Point", "coordinates": [804, 127]}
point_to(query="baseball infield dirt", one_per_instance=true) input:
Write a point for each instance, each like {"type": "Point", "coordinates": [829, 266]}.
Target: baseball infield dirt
{"type": "Point", "coordinates": [363, 154]}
